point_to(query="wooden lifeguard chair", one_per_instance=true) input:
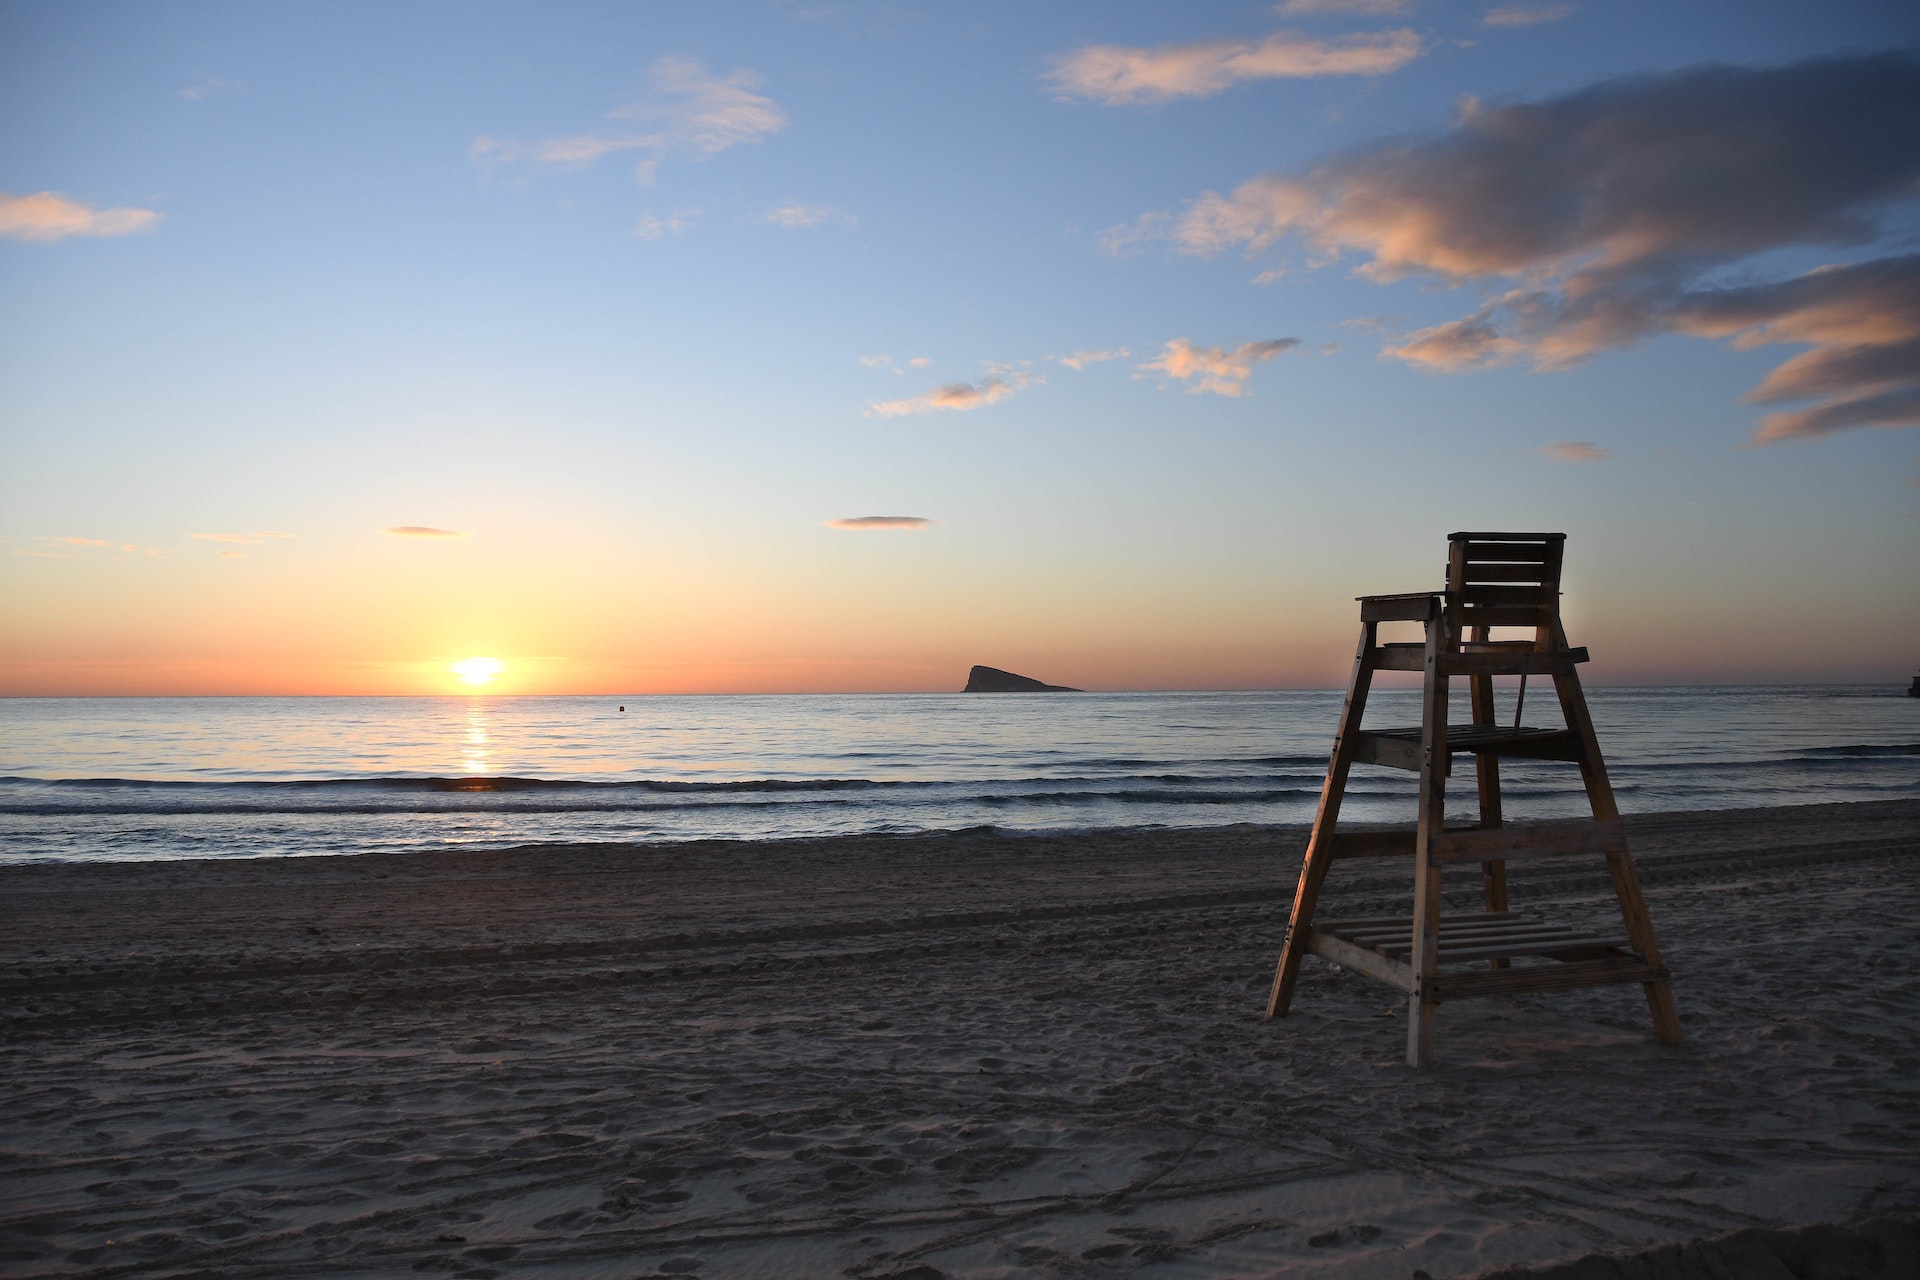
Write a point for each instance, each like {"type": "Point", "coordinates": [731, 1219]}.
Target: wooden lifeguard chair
{"type": "Point", "coordinates": [1494, 580]}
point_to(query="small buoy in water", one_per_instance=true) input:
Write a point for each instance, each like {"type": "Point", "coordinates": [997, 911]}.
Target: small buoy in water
{"type": "Point", "coordinates": [623, 708]}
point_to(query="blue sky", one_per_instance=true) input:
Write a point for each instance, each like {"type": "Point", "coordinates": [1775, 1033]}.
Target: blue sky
{"type": "Point", "coordinates": [638, 298]}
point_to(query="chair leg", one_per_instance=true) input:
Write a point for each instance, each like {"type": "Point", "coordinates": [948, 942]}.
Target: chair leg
{"type": "Point", "coordinates": [1487, 776]}
{"type": "Point", "coordinates": [1620, 865]}
{"type": "Point", "coordinates": [1326, 820]}
{"type": "Point", "coordinates": [1425, 954]}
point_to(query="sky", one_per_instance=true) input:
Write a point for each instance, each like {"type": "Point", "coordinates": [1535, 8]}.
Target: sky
{"type": "Point", "coordinates": [734, 348]}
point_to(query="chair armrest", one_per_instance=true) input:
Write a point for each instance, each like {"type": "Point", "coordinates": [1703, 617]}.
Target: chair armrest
{"type": "Point", "coordinates": [1407, 606]}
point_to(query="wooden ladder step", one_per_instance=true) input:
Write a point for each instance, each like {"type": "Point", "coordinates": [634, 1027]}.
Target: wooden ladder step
{"type": "Point", "coordinates": [1462, 939]}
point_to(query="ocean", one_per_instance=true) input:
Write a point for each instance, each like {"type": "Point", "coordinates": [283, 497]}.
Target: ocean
{"type": "Point", "coordinates": [163, 778]}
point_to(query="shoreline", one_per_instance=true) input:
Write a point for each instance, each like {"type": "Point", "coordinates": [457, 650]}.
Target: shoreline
{"type": "Point", "coordinates": [1289, 836]}
{"type": "Point", "coordinates": [1037, 1054]}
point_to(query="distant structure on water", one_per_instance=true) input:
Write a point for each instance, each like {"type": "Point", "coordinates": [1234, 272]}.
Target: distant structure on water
{"type": "Point", "coordinates": [1913, 690]}
{"type": "Point", "coordinates": [994, 680]}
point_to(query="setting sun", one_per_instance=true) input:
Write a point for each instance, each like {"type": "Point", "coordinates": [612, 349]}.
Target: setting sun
{"type": "Point", "coordinates": [478, 671]}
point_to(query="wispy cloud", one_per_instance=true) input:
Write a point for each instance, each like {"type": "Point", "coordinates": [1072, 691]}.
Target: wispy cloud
{"type": "Point", "coordinates": [421, 531]}
{"type": "Point", "coordinates": [1575, 451]}
{"type": "Point", "coordinates": [201, 90]}
{"type": "Point", "coordinates": [1077, 360]}
{"type": "Point", "coordinates": [649, 227]}
{"type": "Point", "coordinates": [991, 389]}
{"type": "Point", "coordinates": [1344, 8]}
{"type": "Point", "coordinates": [74, 542]}
{"type": "Point", "coordinates": [1222, 371]}
{"type": "Point", "coordinates": [48, 216]}
{"type": "Point", "coordinates": [1526, 15]}
{"type": "Point", "coordinates": [1116, 75]}
{"type": "Point", "coordinates": [248, 538]}
{"type": "Point", "coordinates": [686, 113]}
{"type": "Point", "coordinates": [1130, 237]}
{"type": "Point", "coordinates": [890, 365]}
{"type": "Point", "coordinates": [859, 524]}
{"type": "Point", "coordinates": [1615, 212]}
{"type": "Point", "coordinates": [799, 217]}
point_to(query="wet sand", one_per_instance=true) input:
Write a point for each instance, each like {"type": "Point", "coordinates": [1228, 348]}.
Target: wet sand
{"type": "Point", "coordinates": [960, 1055]}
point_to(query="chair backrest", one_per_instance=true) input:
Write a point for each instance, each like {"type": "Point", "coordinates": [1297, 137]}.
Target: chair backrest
{"type": "Point", "coordinates": [1503, 580]}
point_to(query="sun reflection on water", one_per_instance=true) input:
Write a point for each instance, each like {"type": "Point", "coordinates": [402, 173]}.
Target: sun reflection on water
{"type": "Point", "coordinates": [475, 753]}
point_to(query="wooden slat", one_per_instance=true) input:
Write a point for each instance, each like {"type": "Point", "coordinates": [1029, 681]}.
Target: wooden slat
{"type": "Point", "coordinates": [1372, 922]}
{"type": "Point", "coordinates": [1484, 932]}
{"type": "Point", "coordinates": [1485, 616]}
{"type": "Point", "coordinates": [1371, 963]}
{"type": "Point", "coordinates": [1507, 553]}
{"type": "Point", "coordinates": [1530, 839]}
{"type": "Point", "coordinates": [1415, 606]}
{"type": "Point", "coordinates": [1506, 597]}
{"type": "Point", "coordinates": [1383, 748]}
{"type": "Point", "coordinates": [1552, 977]}
{"type": "Point", "coordinates": [1396, 944]}
{"type": "Point", "coordinates": [1505, 663]}
{"type": "Point", "coordinates": [1467, 953]}
{"type": "Point", "coordinates": [1507, 535]}
{"type": "Point", "coordinates": [1586, 944]}
{"type": "Point", "coordinates": [1503, 572]}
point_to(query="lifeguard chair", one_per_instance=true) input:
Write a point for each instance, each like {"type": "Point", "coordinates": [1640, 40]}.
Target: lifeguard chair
{"type": "Point", "coordinates": [1494, 580]}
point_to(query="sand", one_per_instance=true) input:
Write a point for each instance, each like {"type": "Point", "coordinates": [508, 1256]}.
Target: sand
{"type": "Point", "coordinates": [960, 1055]}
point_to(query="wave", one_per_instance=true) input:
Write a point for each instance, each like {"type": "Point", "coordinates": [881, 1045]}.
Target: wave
{"type": "Point", "coordinates": [1865, 751]}
{"type": "Point", "coordinates": [169, 807]}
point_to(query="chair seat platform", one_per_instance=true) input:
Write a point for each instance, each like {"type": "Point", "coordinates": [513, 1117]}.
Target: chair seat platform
{"type": "Point", "coordinates": [1382, 948]}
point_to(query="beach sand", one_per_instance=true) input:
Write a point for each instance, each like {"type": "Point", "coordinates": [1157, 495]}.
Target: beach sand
{"type": "Point", "coordinates": [963, 1055]}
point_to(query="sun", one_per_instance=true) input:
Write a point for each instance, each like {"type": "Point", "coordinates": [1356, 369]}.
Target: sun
{"type": "Point", "coordinates": [478, 671]}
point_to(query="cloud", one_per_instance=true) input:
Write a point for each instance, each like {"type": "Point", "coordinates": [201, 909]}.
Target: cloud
{"type": "Point", "coordinates": [1324, 8]}
{"type": "Point", "coordinates": [1115, 75]}
{"type": "Point", "coordinates": [686, 113]}
{"type": "Point", "coordinates": [248, 538]}
{"type": "Point", "coordinates": [232, 555]}
{"type": "Point", "coordinates": [421, 531]}
{"type": "Point", "coordinates": [648, 227]}
{"type": "Point", "coordinates": [75, 542]}
{"type": "Point", "coordinates": [992, 389]}
{"type": "Point", "coordinates": [50, 216]}
{"type": "Point", "coordinates": [864, 523]}
{"type": "Point", "coordinates": [1575, 451]}
{"type": "Point", "coordinates": [1125, 240]}
{"type": "Point", "coordinates": [1216, 369]}
{"type": "Point", "coordinates": [1078, 360]}
{"type": "Point", "coordinates": [207, 88]}
{"type": "Point", "coordinates": [887, 362]}
{"type": "Point", "coordinates": [1525, 15]}
{"type": "Point", "coordinates": [1619, 211]}
{"type": "Point", "coordinates": [798, 217]}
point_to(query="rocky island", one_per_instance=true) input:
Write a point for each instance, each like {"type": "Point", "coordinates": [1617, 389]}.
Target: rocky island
{"type": "Point", "coordinates": [994, 680]}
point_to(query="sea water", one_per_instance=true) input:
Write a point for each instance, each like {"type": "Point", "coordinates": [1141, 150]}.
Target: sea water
{"type": "Point", "coordinates": [147, 778]}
